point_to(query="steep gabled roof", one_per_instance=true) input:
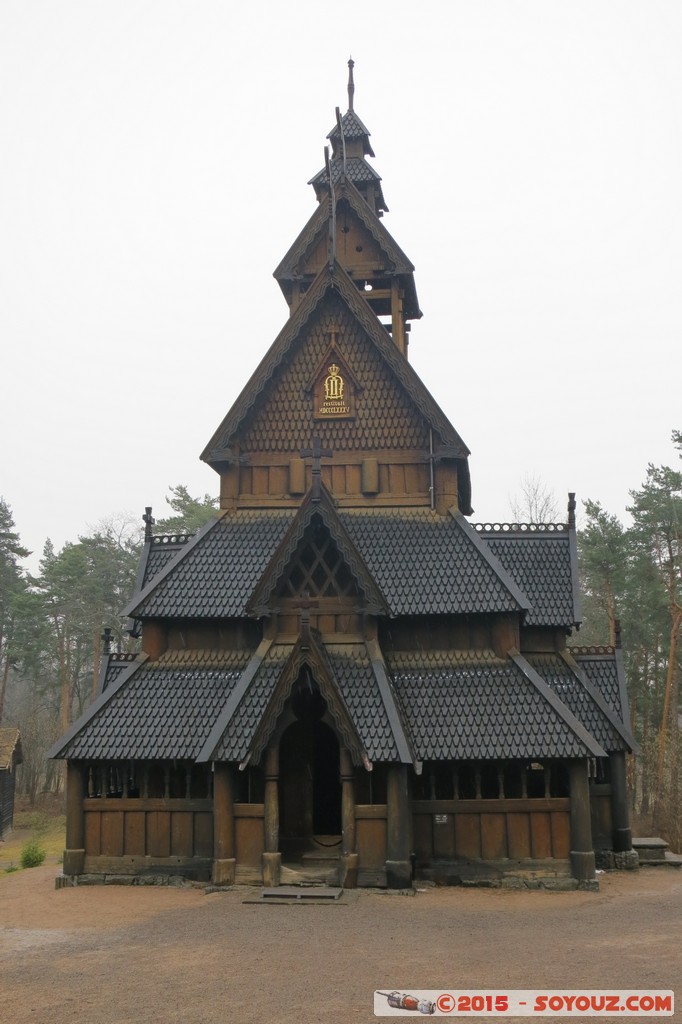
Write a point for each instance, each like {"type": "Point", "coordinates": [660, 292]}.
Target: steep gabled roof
{"type": "Point", "coordinates": [260, 602]}
{"type": "Point", "coordinates": [465, 705]}
{"type": "Point", "coordinates": [214, 574]}
{"type": "Point", "coordinates": [428, 564]}
{"type": "Point", "coordinates": [573, 686]}
{"type": "Point", "coordinates": [543, 561]}
{"type": "Point", "coordinates": [156, 709]}
{"type": "Point", "coordinates": [603, 669]}
{"type": "Point", "coordinates": [338, 282]}
{"type": "Point", "coordinates": [311, 653]}
{"type": "Point", "coordinates": [369, 702]}
{"type": "Point", "coordinates": [396, 260]}
{"type": "Point", "coordinates": [353, 128]}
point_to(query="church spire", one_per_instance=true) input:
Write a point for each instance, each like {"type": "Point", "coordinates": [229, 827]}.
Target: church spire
{"type": "Point", "coordinates": [355, 142]}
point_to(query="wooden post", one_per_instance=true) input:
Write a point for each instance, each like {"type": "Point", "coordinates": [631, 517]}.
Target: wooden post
{"type": "Point", "coordinates": [582, 852]}
{"type": "Point", "coordinates": [398, 866]}
{"type": "Point", "coordinates": [620, 819]}
{"type": "Point", "coordinates": [154, 639]}
{"type": "Point", "coordinates": [349, 859]}
{"type": "Point", "coordinates": [397, 321]}
{"type": "Point", "coordinates": [74, 854]}
{"type": "Point", "coordinates": [446, 485]}
{"type": "Point", "coordinates": [224, 863]}
{"type": "Point", "coordinates": [272, 858]}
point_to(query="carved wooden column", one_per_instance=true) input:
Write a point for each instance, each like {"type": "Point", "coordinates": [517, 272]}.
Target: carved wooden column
{"type": "Point", "coordinates": [74, 854]}
{"type": "Point", "coordinates": [620, 818]}
{"type": "Point", "coordinates": [224, 863]}
{"type": "Point", "coordinates": [272, 858]}
{"type": "Point", "coordinates": [582, 852]}
{"type": "Point", "coordinates": [398, 866]}
{"type": "Point", "coordinates": [348, 875]}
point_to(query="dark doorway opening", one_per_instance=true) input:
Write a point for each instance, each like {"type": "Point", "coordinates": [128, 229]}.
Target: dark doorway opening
{"type": "Point", "coordinates": [309, 780]}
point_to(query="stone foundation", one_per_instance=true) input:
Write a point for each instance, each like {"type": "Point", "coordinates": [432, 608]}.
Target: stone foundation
{"type": "Point", "coordinates": [609, 860]}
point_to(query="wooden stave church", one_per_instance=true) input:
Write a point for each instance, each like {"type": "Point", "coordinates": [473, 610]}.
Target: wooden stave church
{"type": "Point", "coordinates": [339, 669]}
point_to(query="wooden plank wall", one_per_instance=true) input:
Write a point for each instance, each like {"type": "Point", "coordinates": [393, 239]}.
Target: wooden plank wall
{"type": "Point", "coordinates": [491, 829]}
{"type": "Point", "coordinates": [404, 477]}
{"type": "Point", "coordinates": [370, 835]}
{"type": "Point", "coordinates": [249, 834]}
{"type": "Point", "coordinates": [148, 828]}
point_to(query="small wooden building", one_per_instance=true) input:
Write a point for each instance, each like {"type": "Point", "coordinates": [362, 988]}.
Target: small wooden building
{"type": "Point", "coordinates": [10, 757]}
{"type": "Point", "coordinates": [341, 672]}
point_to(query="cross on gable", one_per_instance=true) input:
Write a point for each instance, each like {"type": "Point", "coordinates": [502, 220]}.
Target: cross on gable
{"type": "Point", "coordinates": [316, 453]}
{"type": "Point", "coordinates": [305, 603]}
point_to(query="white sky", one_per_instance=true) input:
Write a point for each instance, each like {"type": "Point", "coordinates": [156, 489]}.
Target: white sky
{"type": "Point", "coordinates": [154, 163]}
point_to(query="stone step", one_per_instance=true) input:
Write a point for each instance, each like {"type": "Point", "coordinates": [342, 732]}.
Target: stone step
{"type": "Point", "coordinates": [302, 892]}
{"type": "Point", "coordinates": [670, 860]}
{"type": "Point", "coordinates": [311, 874]}
{"type": "Point", "coordinates": [650, 849]}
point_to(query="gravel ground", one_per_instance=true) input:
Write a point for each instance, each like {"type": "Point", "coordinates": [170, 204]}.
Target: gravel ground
{"type": "Point", "coordinates": [113, 955]}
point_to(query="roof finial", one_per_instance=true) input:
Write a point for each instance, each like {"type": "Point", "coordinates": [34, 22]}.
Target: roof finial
{"type": "Point", "coordinates": [148, 521]}
{"type": "Point", "coordinates": [351, 83]}
{"type": "Point", "coordinates": [571, 509]}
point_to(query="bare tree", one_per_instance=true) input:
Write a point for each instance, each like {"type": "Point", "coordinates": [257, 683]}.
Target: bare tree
{"type": "Point", "coordinates": [534, 503]}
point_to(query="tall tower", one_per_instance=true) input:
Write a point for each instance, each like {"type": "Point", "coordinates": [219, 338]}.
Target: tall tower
{"type": "Point", "coordinates": [351, 295]}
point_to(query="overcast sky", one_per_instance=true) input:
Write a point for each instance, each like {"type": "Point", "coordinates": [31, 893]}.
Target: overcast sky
{"type": "Point", "coordinates": [154, 163]}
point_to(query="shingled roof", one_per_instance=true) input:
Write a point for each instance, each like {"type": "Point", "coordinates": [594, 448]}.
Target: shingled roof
{"type": "Point", "coordinates": [465, 705]}
{"type": "Point", "coordinates": [543, 561]}
{"type": "Point", "coordinates": [215, 573]}
{"type": "Point", "coordinates": [428, 564]}
{"type": "Point", "coordinates": [156, 709]}
{"type": "Point", "coordinates": [353, 128]}
{"type": "Point", "coordinates": [603, 667]}
{"type": "Point", "coordinates": [583, 700]}
{"type": "Point", "coordinates": [407, 561]}
{"type": "Point", "coordinates": [159, 551]}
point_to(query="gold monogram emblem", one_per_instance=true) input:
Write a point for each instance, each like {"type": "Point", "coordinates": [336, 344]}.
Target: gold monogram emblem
{"type": "Point", "coordinates": [333, 384]}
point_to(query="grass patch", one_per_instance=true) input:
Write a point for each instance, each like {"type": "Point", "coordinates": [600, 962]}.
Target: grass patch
{"type": "Point", "coordinates": [32, 854]}
{"type": "Point", "coordinates": [49, 830]}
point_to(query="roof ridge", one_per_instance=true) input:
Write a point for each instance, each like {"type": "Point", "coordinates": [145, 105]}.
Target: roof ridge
{"type": "Point", "coordinates": [522, 529]}
{"type": "Point", "coordinates": [593, 691]}
{"type": "Point", "coordinates": [505, 578]}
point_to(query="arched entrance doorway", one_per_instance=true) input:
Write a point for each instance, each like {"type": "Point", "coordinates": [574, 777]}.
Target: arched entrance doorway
{"type": "Point", "coordinates": [309, 779]}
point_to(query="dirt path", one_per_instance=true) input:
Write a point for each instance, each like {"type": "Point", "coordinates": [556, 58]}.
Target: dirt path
{"type": "Point", "coordinates": [113, 955]}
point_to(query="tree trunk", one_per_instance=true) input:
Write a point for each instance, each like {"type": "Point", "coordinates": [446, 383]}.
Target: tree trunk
{"type": "Point", "coordinates": [3, 685]}
{"type": "Point", "coordinates": [668, 708]}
